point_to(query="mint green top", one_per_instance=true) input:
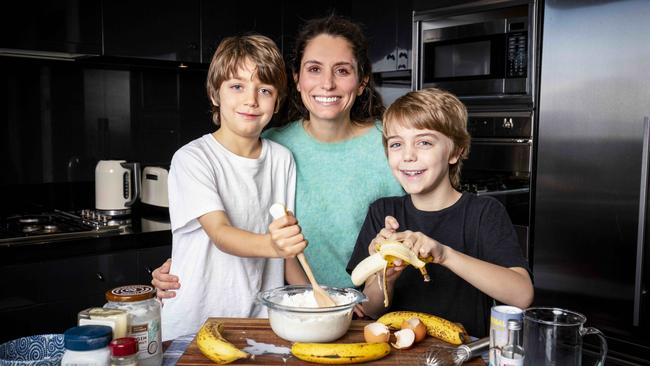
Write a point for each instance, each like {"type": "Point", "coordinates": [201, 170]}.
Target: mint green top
{"type": "Point", "coordinates": [335, 185]}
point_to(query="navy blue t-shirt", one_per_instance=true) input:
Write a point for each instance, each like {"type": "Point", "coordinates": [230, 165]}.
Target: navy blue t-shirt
{"type": "Point", "coordinates": [477, 226]}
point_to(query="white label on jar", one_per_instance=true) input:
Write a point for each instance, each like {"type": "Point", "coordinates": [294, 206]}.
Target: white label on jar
{"type": "Point", "coordinates": [505, 361]}
{"type": "Point", "coordinates": [147, 335]}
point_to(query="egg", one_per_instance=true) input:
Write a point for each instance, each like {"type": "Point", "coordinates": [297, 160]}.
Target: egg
{"type": "Point", "coordinates": [417, 326]}
{"type": "Point", "coordinates": [404, 338]}
{"type": "Point", "coordinates": [376, 333]}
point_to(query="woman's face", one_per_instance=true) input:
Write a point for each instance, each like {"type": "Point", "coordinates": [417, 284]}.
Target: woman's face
{"type": "Point", "coordinates": [328, 80]}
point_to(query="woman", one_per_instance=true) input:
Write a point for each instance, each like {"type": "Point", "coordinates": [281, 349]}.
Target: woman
{"type": "Point", "coordinates": [335, 138]}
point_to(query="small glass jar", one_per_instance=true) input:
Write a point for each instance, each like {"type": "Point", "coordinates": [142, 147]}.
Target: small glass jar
{"type": "Point", "coordinates": [87, 345]}
{"type": "Point", "coordinates": [124, 351]}
{"type": "Point", "coordinates": [140, 303]}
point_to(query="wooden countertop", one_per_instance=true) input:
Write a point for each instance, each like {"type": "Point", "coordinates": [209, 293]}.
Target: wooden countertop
{"type": "Point", "coordinates": [238, 330]}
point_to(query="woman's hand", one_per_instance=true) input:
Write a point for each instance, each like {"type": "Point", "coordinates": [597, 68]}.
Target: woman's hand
{"type": "Point", "coordinates": [164, 282]}
{"type": "Point", "coordinates": [422, 245]}
{"type": "Point", "coordinates": [286, 236]}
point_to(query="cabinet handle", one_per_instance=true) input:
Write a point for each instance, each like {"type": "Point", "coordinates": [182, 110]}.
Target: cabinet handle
{"type": "Point", "coordinates": [401, 66]}
{"type": "Point", "coordinates": [100, 276]}
{"type": "Point", "coordinates": [148, 269]}
{"type": "Point", "coordinates": [403, 54]}
{"type": "Point", "coordinates": [643, 196]}
{"type": "Point", "coordinates": [193, 46]}
{"type": "Point", "coordinates": [390, 57]}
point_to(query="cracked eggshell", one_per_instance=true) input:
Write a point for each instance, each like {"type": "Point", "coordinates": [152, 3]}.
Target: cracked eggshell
{"type": "Point", "coordinates": [404, 338]}
{"type": "Point", "coordinates": [376, 333]}
{"type": "Point", "coordinates": [417, 326]}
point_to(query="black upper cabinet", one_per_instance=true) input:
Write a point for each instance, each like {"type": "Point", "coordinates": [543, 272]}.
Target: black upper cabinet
{"type": "Point", "coordinates": [295, 13]}
{"type": "Point", "coordinates": [388, 31]}
{"type": "Point", "coordinates": [161, 30]}
{"type": "Point", "coordinates": [221, 19]}
{"type": "Point", "coordinates": [68, 26]}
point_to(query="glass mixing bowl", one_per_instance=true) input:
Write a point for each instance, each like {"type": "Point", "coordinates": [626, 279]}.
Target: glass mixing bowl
{"type": "Point", "coordinates": [295, 319]}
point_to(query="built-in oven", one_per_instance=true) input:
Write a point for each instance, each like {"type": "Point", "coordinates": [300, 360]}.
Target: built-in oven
{"type": "Point", "coordinates": [499, 163]}
{"type": "Point", "coordinates": [477, 50]}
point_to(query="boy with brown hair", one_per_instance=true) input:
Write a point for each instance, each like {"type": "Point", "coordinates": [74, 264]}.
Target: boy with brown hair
{"type": "Point", "coordinates": [221, 186]}
{"type": "Point", "coordinates": [476, 256]}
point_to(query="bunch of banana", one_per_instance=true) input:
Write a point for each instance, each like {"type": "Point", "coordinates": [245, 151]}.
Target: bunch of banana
{"type": "Point", "coordinates": [437, 327]}
{"type": "Point", "coordinates": [387, 253]}
{"type": "Point", "coordinates": [214, 346]}
{"type": "Point", "coordinates": [340, 353]}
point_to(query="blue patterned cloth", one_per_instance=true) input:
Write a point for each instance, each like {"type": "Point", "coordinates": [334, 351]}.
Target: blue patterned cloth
{"type": "Point", "coordinates": [176, 349]}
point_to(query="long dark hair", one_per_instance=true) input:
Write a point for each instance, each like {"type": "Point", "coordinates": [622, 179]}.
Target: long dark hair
{"type": "Point", "coordinates": [368, 106]}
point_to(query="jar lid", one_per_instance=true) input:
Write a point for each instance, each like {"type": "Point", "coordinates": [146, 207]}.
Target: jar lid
{"type": "Point", "coordinates": [125, 346]}
{"type": "Point", "coordinates": [87, 337]}
{"type": "Point", "coordinates": [131, 293]}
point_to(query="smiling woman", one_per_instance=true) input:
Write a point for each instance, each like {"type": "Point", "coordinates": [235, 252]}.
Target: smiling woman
{"type": "Point", "coordinates": [335, 138]}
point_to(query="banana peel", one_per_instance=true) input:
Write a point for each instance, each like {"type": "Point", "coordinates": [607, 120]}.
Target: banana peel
{"type": "Point", "coordinates": [214, 346]}
{"type": "Point", "coordinates": [386, 254]}
{"type": "Point", "coordinates": [340, 353]}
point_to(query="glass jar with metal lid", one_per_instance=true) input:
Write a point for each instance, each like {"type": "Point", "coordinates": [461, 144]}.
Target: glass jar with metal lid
{"type": "Point", "coordinates": [144, 319]}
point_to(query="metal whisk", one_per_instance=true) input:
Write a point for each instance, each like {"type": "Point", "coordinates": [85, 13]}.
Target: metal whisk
{"type": "Point", "coordinates": [445, 355]}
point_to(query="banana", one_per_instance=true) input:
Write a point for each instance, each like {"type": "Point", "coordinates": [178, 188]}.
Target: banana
{"type": "Point", "coordinates": [340, 353]}
{"type": "Point", "coordinates": [437, 327]}
{"type": "Point", "coordinates": [214, 346]}
{"type": "Point", "coordinates": [387, 253]}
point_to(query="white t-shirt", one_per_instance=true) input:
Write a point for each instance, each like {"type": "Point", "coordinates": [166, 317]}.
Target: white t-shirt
{"type": "Point", "coordinates": [206, 177]}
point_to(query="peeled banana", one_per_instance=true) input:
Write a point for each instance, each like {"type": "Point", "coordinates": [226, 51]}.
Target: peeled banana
{"type": "Point", "coordinates": [385, 256]}
{"type": "Point", "coordinates": [437, 327]}
{"type": "Point", "coordinates": [387, 253]}
{"type": "Point", "coordinates": [214, 346]}
{"type": "Point", "coordinates": [340, 353]}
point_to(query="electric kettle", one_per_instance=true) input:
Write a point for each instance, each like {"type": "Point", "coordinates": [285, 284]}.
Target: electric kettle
{"type": "Point", "coordinates": [154, 186]}
{"type": "Point", "coordinates": [117, 186]}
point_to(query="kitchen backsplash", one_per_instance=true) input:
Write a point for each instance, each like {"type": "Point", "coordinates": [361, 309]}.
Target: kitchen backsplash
{"type": "Point", "coordinates": [59, 118]}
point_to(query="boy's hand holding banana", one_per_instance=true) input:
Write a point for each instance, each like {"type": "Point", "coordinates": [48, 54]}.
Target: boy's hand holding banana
{"type": "Point", "coordinates": [391, 249]}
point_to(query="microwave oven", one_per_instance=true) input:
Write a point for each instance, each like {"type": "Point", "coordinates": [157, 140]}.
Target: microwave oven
{"type": "Point", "coordinates": [475, 52]}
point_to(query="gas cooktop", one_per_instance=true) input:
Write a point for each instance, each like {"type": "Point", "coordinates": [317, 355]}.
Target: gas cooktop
{"type": "Point", "coordinates": [58, 224]}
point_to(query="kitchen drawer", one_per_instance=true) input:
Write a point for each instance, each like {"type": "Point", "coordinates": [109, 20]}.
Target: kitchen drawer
{"type": "Point", "coordinates": [19, 322]}
{"type": "Point", "coordinates": [150, 259]}
{"type": "Point", "coordinates": [80, 276]}
{"type": "Point", "coordinates": [23, 287]}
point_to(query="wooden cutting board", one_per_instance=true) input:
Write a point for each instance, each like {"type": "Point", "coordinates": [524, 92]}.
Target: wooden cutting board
{"type": "Point", "coordinates": [237, 330]}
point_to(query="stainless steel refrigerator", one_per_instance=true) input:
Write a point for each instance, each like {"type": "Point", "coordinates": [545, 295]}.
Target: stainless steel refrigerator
{"type": "Point", "coordinates": [590, 224]}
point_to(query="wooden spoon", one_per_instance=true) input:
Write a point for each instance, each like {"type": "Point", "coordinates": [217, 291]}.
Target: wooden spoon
{"type": "Point", "coordinates": [278, 210]}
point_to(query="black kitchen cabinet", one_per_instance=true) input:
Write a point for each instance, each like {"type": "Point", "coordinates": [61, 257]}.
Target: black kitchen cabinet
{"type": "Point", "coordinates": [221, 19]}
{"type": "Point", "coordinates": [150, 259]}
{"type": "Point", "coordinates": [294, 15]}
{"type": "Point", "coordinates": [62, 26]}
{"type": "Point", "coordinates": [388, 31]}
{"type": "Point", "coordinates": [45, 296]}
{"type": "Point", "coordinates": [169, 109]}
{"type": "Point", "coordinates": [161, 30]}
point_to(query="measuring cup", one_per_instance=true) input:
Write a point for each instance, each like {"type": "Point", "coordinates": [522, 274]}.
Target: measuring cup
{"type": "Point", "coordinates": [553, 336]}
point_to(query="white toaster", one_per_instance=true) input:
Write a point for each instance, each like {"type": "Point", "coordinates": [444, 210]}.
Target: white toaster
{"type": "Point", "coordinates": [154, 186]}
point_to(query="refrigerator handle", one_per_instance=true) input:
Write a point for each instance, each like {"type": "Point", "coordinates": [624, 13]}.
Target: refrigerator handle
{"type": "Point", "coordinates": [640, 241]}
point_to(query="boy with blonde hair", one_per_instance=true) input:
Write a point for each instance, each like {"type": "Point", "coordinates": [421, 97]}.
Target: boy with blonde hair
{"type": "Point", "coordinates": [476, 256]}
{"type": "Point", "coordinates": [221, 186]}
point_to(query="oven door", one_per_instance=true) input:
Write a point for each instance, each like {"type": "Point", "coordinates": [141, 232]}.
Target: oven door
{"type": "Point", "coordinates": [500, 156]}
